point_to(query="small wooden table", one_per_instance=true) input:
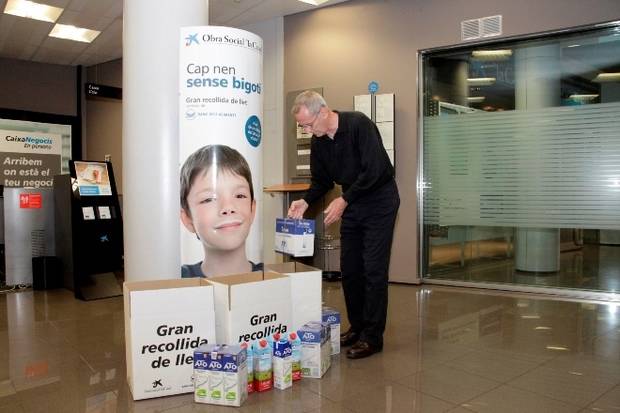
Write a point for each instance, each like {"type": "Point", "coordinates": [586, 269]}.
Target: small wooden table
{"type": "Point", "coordinates": [286, 190]}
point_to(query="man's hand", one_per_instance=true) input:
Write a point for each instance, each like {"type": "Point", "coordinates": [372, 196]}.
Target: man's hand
{"type": "Point", "coordinates": [297, 209]}
{"type": "Point", "coordinates": [334, 210]}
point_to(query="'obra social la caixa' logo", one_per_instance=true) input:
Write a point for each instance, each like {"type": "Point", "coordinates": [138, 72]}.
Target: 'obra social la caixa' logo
{"type": "Point", "coordinates": [191, 38]}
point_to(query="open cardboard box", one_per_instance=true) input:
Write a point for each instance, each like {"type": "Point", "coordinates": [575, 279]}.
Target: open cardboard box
{"type": "Point", "coordinates": [306, 294]}
{"type": "Point", "coordinates": [164, 321]}
{"type": "Point", "coordinates": [251, 306]}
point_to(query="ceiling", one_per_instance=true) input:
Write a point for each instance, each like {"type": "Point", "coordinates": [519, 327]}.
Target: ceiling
{"type": "Point", "coordinates": [27, 39]}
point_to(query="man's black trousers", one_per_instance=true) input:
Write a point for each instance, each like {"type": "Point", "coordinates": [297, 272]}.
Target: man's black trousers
{"type": "Point", "coordinates": [366, 240]}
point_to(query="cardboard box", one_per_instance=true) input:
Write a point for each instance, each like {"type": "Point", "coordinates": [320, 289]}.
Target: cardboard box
{"type": "Point", "coordinates": [331, 317]}
{"type": "Point", "coordinates": [165, 321]}
{"type": "Point", "coordinates": [295, 237]}
{"type": "Point", "coordinates": [251, 306]}
{"type": "Point", "coordinates": [306, 293]}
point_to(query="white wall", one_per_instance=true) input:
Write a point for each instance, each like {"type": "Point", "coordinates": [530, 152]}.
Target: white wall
{"type": "Point", "coordinates": [272, 33]}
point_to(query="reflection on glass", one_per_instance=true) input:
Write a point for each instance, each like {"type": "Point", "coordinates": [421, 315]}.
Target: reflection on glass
{"type": "Point", "coordinates": [521, 156]}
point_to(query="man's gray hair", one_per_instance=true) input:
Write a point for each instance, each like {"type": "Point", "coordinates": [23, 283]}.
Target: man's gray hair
{"type": "Point", "coordinates": [311, 100]}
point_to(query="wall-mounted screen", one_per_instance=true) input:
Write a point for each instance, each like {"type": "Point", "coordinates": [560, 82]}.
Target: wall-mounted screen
{"type": "Point", "coordinates": [93, 178]}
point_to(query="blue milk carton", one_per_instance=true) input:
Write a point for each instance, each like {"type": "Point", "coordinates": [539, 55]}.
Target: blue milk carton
{"type": "Point", "coordinates": [331, 316]}
{"type": "Point", "coordinates": [315, 349]}
{"type": "Point", "coordinates": [282, 364]}
{"type": "Point", "coordinates": [295, 237]}
{"type": "Point", "coordinates": [235, 375]}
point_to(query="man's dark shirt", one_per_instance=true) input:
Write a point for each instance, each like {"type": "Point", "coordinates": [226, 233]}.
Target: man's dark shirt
{"type": "Point", "coordinates": [355, 159]}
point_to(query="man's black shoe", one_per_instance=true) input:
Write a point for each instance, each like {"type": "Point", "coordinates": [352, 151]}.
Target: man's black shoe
{"type": "Point", "coordinates": [362, 349]}
{"type": "Point", "coordinates": [349, 338]}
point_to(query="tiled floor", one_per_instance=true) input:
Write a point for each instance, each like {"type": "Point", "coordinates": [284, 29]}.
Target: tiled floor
{"type": "Point", "coordinates": [456, 350]}
{"type": "Point", "coordinates": [591, 267]}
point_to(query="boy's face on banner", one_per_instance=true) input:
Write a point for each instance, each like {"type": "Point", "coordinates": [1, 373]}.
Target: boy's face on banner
{"type": "Point", "coordinates": [221, 209]}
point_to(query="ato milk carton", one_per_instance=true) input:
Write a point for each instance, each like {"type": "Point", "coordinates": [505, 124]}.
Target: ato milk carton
{"type": "Point", "coordinates": [315, 349]}
{"type": "Point", "coordinates": [331, 316]}
{"type": "Point", "coordinates": [235, 375]}
{"type": "Point", "coordinates": [263, 372]}
{"type": "Point", "coordinates": [282, 366]}
{"type": "Point", "coordinates": [220, 375]}
{"type": "Point", "coordinates": [295, 237]}
{"type": "Point", "coordinates": [295, 355]}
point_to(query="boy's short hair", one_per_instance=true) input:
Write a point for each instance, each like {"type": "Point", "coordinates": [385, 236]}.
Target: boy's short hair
{"type": "Point", "coordinates": [223, 157]}
{"type": "Point", "coordinates": [311, 100]}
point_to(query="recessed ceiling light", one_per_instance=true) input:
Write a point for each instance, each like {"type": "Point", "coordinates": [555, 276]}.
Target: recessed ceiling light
{"type": "Point", "coordinates": [481, 81]}
{"type": "Point", "coordinates": [583, 97]}
{"type": "Point", "coordinates": [557, 348]}
{"type": "Point", "coordinates": [64, 31]}
{"type": "Point", "coordinates": [607, 77]}
{"type": "Point", "coordinates": [492, 54]}
{"type": "Point", "coordinates": [314, 2]}
{"type": "Point", "coordinates": [32, 10]}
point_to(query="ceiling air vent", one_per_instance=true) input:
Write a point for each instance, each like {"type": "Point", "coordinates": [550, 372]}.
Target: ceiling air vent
{"type": "Point", "coordinates": [491, 26]}
{"type": "Point", "coordinates": [482, 27]}
{"type": "Point", "coordinates": [470, 29]}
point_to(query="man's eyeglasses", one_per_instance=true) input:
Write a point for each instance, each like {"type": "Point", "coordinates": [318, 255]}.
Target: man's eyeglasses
{"type": "Point", "coordinates": [309, 125]}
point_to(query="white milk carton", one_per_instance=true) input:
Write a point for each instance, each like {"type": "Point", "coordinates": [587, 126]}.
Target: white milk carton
{"type": "Point", "coordinates": [331, 316]}
{"type": "Point", "coordinates": [295, 237]}
{"type": "Point", "coordinates": [235, 372]}
{"type": "Point", "coordinates": [282, 363]}
{"type": "Point", "coordinates": [315, 349]}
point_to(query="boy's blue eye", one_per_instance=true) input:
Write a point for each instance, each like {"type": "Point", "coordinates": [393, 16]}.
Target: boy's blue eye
{"type": "Point", "coordinates": [242, 196]}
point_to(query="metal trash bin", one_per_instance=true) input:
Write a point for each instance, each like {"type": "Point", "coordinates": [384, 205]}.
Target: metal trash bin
{"type": "Point", "coordinates": [46, 273]}
{"type": "Point", "coordinates": [329, 254]}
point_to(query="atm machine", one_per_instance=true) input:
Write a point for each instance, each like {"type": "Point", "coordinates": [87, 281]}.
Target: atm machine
{"type": "Point", "coordinates": [89, 229]}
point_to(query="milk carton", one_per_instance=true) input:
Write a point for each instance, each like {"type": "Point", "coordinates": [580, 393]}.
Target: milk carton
{"type": "Point", "coordinates": [201, 374]}
{"type": "Point", "coordinates": [331, 316]}
{"type": "Point", "coordinates": [282, 366]}
{"type": "Point", "coordinates": [263, 373]}
{"type": "Point", "coordinates": [315, 349]}
{"type": "Point", "coordinates": [295, 237]}
{"type": "Point", "coordinates": [250, 364]}
{"type": "Point", "coordinates": [235, 375]}
{"type": "Point", "coordinates": [295, 356]}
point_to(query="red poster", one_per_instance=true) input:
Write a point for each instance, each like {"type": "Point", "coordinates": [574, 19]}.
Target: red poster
{"type": "Point", "coordinates": [30, 200]}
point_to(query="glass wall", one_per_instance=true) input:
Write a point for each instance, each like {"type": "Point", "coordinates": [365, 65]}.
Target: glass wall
{"type": "Point", "coordinates": [521, 162]}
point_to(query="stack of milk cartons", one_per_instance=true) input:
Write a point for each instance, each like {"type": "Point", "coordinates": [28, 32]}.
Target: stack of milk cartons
{"type": "Point", "coordinates": [331, 316]}
{"type": "Point", "coordinates": [220, 374]}
{"type": "Point", "coordinates": [315, 349]}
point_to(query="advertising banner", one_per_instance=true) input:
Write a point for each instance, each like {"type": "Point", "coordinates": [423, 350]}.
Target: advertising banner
{"type": "Point", "coordinates": [221, 104]}
{"type": "Point", "coordinates": [29, 159]}
{"type": "Point", "coordinates": [93, 178]}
